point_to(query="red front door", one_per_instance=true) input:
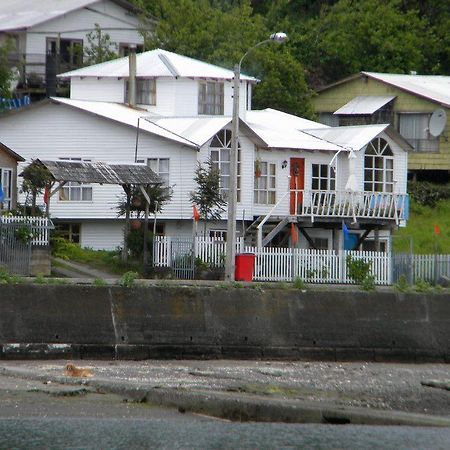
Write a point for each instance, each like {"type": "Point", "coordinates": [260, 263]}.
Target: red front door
{"type": "Point", "coordinates": [297, 184]}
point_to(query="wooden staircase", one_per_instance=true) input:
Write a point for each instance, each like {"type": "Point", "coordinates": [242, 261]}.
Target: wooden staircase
{"type": "Point", "coordinates": [273, 227]}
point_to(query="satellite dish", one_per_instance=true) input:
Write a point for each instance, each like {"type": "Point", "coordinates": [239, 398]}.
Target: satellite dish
{"type": "Point", "coordinates": [438, 120]}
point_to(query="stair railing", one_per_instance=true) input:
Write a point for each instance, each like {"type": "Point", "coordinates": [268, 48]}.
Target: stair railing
{"type": "Point", "coordinates": [266, 218]}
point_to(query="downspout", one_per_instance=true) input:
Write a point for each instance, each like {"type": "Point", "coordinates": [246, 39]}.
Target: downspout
{"type": "Point", "coordinates": [132, 77]}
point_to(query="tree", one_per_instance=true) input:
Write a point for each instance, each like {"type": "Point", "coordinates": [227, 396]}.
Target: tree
{"type": "Point", "coordinates": [208, 197]}
{"type": "Point", "coordinates": [36, 178]}
{"type": "Point", "coordinates": [6, 74]}
{"type": "Point", "coordinates": [100, 48]}
{"type": "Point", "coordinates": [350, 36]}
{"type": "Point", "coordinates": [220, 32]}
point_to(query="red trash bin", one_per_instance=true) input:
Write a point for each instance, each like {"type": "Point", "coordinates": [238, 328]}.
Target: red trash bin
{"type": "Point", "coordinates": [244, 266]}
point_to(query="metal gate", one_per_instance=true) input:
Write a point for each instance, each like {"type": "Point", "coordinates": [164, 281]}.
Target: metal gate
{"type": "Point", "coordinates": [182, 258]}
{"type": "Point", "coordinates": [15, 247]}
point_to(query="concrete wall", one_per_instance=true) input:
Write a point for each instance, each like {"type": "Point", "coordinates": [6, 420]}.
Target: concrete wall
{"type": "Point", "coordinates": [184, 322]}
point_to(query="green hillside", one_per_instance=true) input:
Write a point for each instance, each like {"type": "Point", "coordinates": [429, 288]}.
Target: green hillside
{"type": "Point", "coordinates": [420, 229]}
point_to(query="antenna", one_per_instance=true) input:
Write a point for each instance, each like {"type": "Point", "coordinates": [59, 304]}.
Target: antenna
{"type": "Point", "coordinates": [437, 123]}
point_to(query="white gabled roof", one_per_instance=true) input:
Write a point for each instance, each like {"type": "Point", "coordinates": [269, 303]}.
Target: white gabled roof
{"type": "Point", "coordinates": [353, 137]}
{"type": "Point", "coordinates": [281, 130]}
{"type": "Point", "coordinates": [156, 63]}
{"type": "Point", "coordinates": [22, 14]}
{"type": "Point", "coordinates": [125, 115]}
{"type": "Point", "coordinates": [364, 104]}
{"type": "Point", "coordinates": [433, 87]}
{"type": "Point", "coordinates": [196, 129]}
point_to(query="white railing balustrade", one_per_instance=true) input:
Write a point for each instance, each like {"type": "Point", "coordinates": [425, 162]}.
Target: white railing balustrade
{"type": "Point", "coordinates": [350, 204]}
{"type": "Point", "coordinates": [40, 227]}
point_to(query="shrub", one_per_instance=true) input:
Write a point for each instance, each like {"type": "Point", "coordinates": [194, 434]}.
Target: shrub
{"type": "Point", "coordinates": [428, 194]}
{"type": "Point", "coordinates": [358, 269]}
{"type": "Point", "coordinates": [402, 284]}
{"type": "Point", "coordinates": [128, 279]}
{"type": "Point", "coordinates": [299, 284]}
{"type": "Point", "coordinates": [368, 284]}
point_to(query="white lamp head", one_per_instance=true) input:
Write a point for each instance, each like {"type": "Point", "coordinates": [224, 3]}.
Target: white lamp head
{"type": "Point", "coordinates": [279, 37]}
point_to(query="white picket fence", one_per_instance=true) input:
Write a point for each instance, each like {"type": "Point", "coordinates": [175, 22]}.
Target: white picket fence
{"type": "Point", "coordinates": [282, 264]}
{"type": "Point", "coordinates": [421, 267]}
{"type": "Point", "coordinates": [40, 227]}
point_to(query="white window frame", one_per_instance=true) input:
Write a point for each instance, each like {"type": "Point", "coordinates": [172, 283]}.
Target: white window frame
{"type": "Point", "coordinates": [414, 127]}
{"type": "Point", "coordinates": [265, 191]}
{"type": "Point", "coordinates": [156, 165]}
{"type": "Point", "coordinates": [210, 98]}
{"type": "Point", "coordinates": [69, 189]}
{"type": "Point", "coordinates": [219, 152]}
{"type": "Point", "coordinates": [381, 167]}
{"type": "Point", "coordinates": [6, 179]}
{"type": "Point", "coordinates": [145, 91]}
{"type": "Point", "coordinates": [220, 235]}
{"type": "Point", "coordinates": [324, 179]}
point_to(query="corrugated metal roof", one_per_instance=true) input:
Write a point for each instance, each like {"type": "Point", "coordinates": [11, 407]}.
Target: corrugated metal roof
{"type": "Point", "coordinates": [157, 63]}
{"type": "Point", "coordinates": [19, 14]}
{"type": "Point", "coordinates": [353, 137]}
{"type": "Point", "coordinates": [195, 129]}
{"type": "Point", "coordinates": [124, 114]}
{"type": "Point", "coordinates": [98, 172]}
{"type": "Point", "coordinates": [281, 130]}
{"type": "Point", "coordinates": [433, 87]}
{"type": "Point", "coordinates": [364, 104]}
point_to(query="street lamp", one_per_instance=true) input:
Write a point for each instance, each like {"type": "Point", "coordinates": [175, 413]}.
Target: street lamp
{"type": "Point", "coordinates": [232, 193]}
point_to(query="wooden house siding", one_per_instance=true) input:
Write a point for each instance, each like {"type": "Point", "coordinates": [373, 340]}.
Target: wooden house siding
{"type": "Point", "coordinates": [174, 97]}
{"type": "Point", "coordinates": [104, 90]}
{"type": "Point", "coordinates": [333, 98]}
{"type": "Point", "coordinates": [60, 131]}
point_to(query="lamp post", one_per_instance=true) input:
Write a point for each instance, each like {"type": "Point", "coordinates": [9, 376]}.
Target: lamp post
{"type": "Point", "coordinates": [232, 193]}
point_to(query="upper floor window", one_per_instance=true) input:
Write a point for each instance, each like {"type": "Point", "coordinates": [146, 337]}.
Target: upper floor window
{"type": "Point", "coordinates": [378, 167]}
{"type": "Point", "coordinates": [414, 128]}
{"type": "Point", "coordinates": [145, 91]}
{"type": "Point", "coordinates": [323, 177]}
{"type": "Point", "coordinates": [161, 167]}
{"type": "Point", "coordinates": [264, 184]}
{"type": "Point", "coordinates": [73, 191]}
{"type": "Point", "coordinates": [210, 98]}
{"type": "Point", "coordinates": [6, 185]}
{"type": "Point", "coordinates": [220, 156]}
{"type": "Point", "coordinates": [70, 51]}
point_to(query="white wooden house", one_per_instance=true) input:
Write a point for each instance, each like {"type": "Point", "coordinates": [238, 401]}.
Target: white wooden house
{"type": "Point", "coordinates": [60, 27]}
{"type": "Point", "coordinates": [290, 170]}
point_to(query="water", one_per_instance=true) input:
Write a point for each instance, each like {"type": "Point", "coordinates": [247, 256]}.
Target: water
{"type": "Point", "coordinates": [189, 433]}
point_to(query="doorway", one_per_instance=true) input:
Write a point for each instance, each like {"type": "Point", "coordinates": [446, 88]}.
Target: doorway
{"type": "Point", "coordinates": [296, 184]}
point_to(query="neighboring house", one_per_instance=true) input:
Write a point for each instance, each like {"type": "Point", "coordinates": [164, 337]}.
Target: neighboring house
{"type": "Point", "coordinates": [8, 177]}
{"type": "Point", "coordinates": [59, 28]}
{"type": "Point", "coordinates": [408, 102]}
{"type": "Point", "coordinates": [290, 170]}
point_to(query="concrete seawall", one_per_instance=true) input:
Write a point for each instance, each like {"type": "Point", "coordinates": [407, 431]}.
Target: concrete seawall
{"type": "Point", "coordinates": [191, 322]}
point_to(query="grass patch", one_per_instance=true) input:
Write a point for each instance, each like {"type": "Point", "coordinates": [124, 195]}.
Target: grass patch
{"type": "Point", "coordinates": [108, 261]}
{"type": "Point", "coordinates": [420, 228]}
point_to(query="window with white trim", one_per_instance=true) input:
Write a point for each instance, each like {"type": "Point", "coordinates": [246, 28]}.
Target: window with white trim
{"type": "Point", "coordinates": [145, 91]}
{"type": "Point", "coordinates": [210, 98]}
{"type": "Point", "coordinates": [264, 184]}
{"type": "Point", "coordinates": [378, 167]}
{"type": "Point", "coordinates": [414, 127]}
{"type": "Point", "coordinates": [220, 157]}
{"type": "Point", "coordinates": [6, 179]}
{"type": "Point", "coordinates": [161, 167]}
{"type": "Point", "coordinates": [323, 177]}
{"type": "Point", "coordinates": [73, 191]}
{"type": "Point", "coordinates": [220, 235]}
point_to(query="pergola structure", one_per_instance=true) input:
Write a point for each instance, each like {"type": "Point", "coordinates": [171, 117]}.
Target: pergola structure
{"type": "Point", "coordinates": [126, 175]}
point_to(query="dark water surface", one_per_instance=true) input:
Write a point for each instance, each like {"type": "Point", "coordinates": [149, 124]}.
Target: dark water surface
{"type": "Point", "coordinates": [189, 433]}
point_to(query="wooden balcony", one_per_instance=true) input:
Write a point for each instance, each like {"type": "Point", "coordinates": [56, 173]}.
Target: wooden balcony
{"type": "Point", "coordinates": [353, 205]}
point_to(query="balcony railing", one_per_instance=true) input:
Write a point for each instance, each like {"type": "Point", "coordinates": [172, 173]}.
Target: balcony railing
{"type": "Point", "coordinates": [349, 204]}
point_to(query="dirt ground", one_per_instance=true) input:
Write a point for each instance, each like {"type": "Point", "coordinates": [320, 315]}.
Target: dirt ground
{"type": "Point", "coordinates": [371, 385]}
